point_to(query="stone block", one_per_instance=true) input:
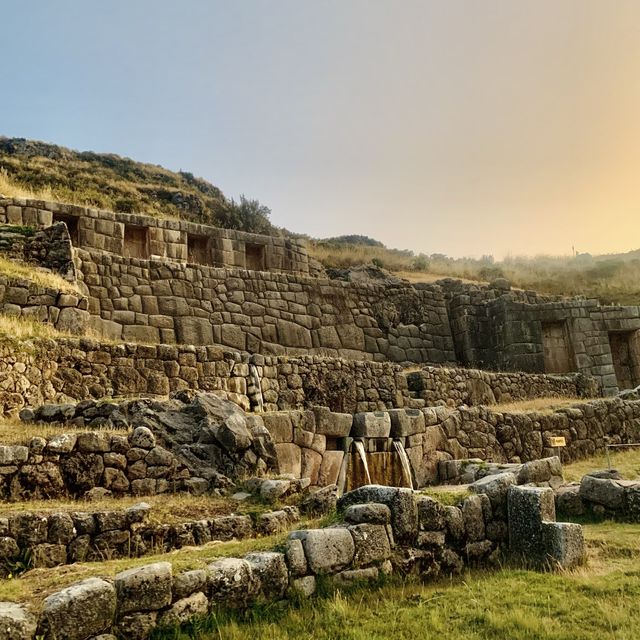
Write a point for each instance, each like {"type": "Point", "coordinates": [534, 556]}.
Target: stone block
{"type": "Point", "coordinates": [289, 458]}
{"type": "Point", "coordinates": [371, 513]}
{"type": "Point", "coordinates": [16, 623]}
{"type": "Point", "coordinates": [406, 422]}
{"type": "Point", "coordinates": [80, 611]}
{"type": "Point", "coordinates": [371, 543]}
{"type": "Point", "coordinates": [271, 570]}
{"type": "Point", "coordinates": [146, 588]}
{"type": "Point", "coordinates": [329, 423]}
{"type": "Point", "coordinates": [191, 330]}
{"type": "Point", "coordinates": [602, 491]}
{"type": "Point", "coordinates": [232, 583]}
{"type": "Point", "coordinates": [372, 424]}
{"type": "Point", "coordinates": [495, 487]}
{"type": "Point", "coordinates": [528, 507]}
{"type": "Point", "coordinates": [326, 550]}
{"type": "Point", "coordinates": [194, 606]}
{"type": "Point", "coordinates": [330, 467]}
{"type": "Point", "coordinates": [563, 544]}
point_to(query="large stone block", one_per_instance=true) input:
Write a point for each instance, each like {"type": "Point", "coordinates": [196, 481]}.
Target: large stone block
{"type": "Point", "coordinates": [495, 487]}
{"type": "Point", "coordinates": [326, 550]}
{"type": "Point", "coordinates": [271, 570]}
{"type": "Point", "coordinates": [371, 543]}
{"type": "Point", "coordinates": [329, 423]}
{"type": "Point", "coordinates": [80, 611]}
{"type": "Point", "coordinates": [190, 330]}
{"type": "Point", "coordinates": [330, 467]}
{"type": "Point", "coordinates": [401, 502]}
{"type": "Point", "coordinates": [528, 507]}
{"type": "Point", "coordinates": [602, 491]}
{"type": "Point", "coordinates": [289, 458]}
{"type": "Point", "coordinates": [563, 543]}
{"type": "Point", "coordinates": [146, 588]}
{"type": "Point", "coordinates": [372, 424]}
{"type": "Point", "coordinates": [16, 623]}
{"type": "Point", "coordinates": [232, 583]}
{"type": "Point", "coordinates": [406, 422]}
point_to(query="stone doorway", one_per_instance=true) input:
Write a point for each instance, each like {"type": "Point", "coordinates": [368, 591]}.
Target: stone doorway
{"type": "Point", "coordinates": [556, 347]}
{"type": "Point", "coordinates": [625, 350]}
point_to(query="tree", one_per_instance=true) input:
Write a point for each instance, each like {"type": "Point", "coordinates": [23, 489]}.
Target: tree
{"type": "Point", "coordinates": [246, 215]}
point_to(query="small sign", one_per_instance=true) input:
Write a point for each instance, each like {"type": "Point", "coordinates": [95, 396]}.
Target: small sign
{"type": "Point", "coordinates": [558, 441]}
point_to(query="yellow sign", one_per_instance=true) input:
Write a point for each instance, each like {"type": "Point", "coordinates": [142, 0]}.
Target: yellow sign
{"type": "Point", "coordinates": [557, 441]}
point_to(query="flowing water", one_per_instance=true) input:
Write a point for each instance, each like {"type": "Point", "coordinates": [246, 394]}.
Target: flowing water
{"type": "Point", "coordinates": [389, 466]}
{"type": "Point", "coordinates": [255, 389]}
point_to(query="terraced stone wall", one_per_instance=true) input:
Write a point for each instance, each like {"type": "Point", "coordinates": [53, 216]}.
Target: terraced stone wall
{"type": "Point", "coordinates": [265, 313]}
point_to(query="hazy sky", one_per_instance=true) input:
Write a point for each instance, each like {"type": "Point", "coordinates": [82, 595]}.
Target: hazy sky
{"type": "Point", "coordinates": [457, 127]}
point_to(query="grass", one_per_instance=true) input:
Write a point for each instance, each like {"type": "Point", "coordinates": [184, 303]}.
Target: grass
{"type": "Point", "coordinates": [14, 431]}
{"type": "Point", "coordinates": [538, 405]}
{"type": "Point", "coordinates": [39, 277]}
{"type": "Point", "coordinates": [596, 602]}
{"type": "Point", "coordinates": [627, 462]}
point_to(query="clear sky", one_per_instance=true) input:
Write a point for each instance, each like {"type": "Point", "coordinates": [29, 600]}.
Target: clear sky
{"type": "Point", "coordinates": [462, 127]}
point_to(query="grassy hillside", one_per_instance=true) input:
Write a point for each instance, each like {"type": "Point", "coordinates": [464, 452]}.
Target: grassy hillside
{"type": "Point", "coordinates": [107, 181]}
{"type": "Point", "coordinates": [612, 278]}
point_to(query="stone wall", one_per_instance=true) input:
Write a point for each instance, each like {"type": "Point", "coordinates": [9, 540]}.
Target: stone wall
{"type": "Point", "coordinates": [383, 530]}
{"type": "Point", "coordinates": [267, 313]}
{"type": "Point", "coordinates": [74, 465]}
{"type": "Point", "coordinates": [502, 329]}
{"type": "Point", "coordinates": [454, 387]}
{"type": "Point", "coordinates": [66, 537]}
{"type": "Point", "coordinates": [144, 236]}
{"type": "Point", "coordinates": [65, 311]}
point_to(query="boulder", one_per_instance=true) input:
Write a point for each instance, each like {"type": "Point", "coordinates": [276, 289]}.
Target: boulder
{"type": "Point", "coordinates": [146, 588]}
{"type": "Point", "coordinates": [602, 491]}
{"type": "Point", "coordinates": [185, 609]}
{"type": "Point", "coordinates": [371, 543]}
{"type": "Point", "coordinates": [271, 570]}
{"type": "Point", "coordinates": [80, 611]}
{"type": "Point", "coordinates": [326, 550]}
{"type": "Point", "coordinates": [563, 543]}
{"type": "Point", "coordinates": [232, 583]}
{"type": "Point", "coordinates": [372, 424]}
{"type": "Point", "coordinates": [16, 623]}
{"type": "Point", "coordinates": [372, 513]}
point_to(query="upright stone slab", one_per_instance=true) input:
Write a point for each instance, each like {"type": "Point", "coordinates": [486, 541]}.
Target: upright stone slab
{"type": "Point", "coordinates": [326, 550]}
{"type": "Point", "coordinates": [563, 544]}
{"type": "Point", "coordinates": [528, 507]}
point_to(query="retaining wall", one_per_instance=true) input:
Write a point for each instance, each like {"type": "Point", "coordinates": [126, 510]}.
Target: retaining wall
{"type": "Point", "coordinates": [384, 530]}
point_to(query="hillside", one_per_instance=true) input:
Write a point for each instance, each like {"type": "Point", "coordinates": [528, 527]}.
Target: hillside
{"type": "Point", "coordinates": [109, 181]}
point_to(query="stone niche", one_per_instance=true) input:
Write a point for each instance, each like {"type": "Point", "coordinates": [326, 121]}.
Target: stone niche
{"type": "Point", "coordinates": [136, 241]}
{"type": "Point", "coordinates": [556, 346]}
{"type": "Point", "coordinates": [625, 351]}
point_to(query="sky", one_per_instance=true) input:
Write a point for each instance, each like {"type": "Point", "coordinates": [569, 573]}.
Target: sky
{"type": "Point", "coordinates": [472, 127]}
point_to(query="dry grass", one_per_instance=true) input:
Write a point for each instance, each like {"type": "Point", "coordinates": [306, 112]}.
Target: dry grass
{"type": "Point", "coordinates": [18, 330]}
{"type": "Point", "coordinates": [40, 277]}
{"type": "Point", "coordinates": [35, 585]}
{"type": "Point", "coordinates": [14, 431]}
{"type": "Point", "coordinates": [13, 189]}
{"type": "Point", "coordinates": [539, 405]}
{"type": "Point", "coordinates": [626, 461]}
{"type": "Point", "coordinates": [168, 508]}
{"type": "Point", "coordinates": [415, 277]}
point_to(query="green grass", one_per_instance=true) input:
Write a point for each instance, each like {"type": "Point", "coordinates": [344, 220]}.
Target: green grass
{"type": "Point", "coordinates": [627, 462]}
{"type": "Point", "coordinates": [596, 602]}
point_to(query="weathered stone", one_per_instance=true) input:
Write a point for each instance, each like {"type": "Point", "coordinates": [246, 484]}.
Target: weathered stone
{"type": "Point", "coordinates": [371, 543]}
{"type": "Point", "coordinates": [602, 491]}
{"type": "Point", "coordinates": [375, 424]}
{"type": "Point", "coordinates": [79, 611]}
{"type": "Point", "coordinates": [431, 514]}
{"type": "Point", "coordinates": [528, 507]}
{"type": "Point", "coordinates": [326, 550]}
{"type": "Point", "coordinates": [185, 609]}
{"type": "Point", "coordinates": [371, 513]}
{"type": "Point", "coordinates": [473, 518]}
{"type": "Point", "coordinates": [563, 544]}
{"type": "Point", "coordinates": [62, 443]}
{"type": "Point", "coordinates": [271, 570]}
{"type": "Point", "coordinates": [356, 576]}
{"type": "Point", "coordinates": [137, 626]}
{"type": "Point", "coordinates": [495, 487]}
{"type": "Point", "coordinates": [188, 582]}
{"type": "Point", "coordinates": [296, 560]}
{"type": "Point", "coordinates": [61, 528]}
{"type": "Point", "coordinates": [143, 438]}
{"type": "Point", "coordinates": [305, 586]}
{"type": "Point", "coordinates": [16, 623]}
{"type": "Point", "coordinates": [271, 490]}
{"type": "Point", "coordinates": [335, 425]}
{"type": "Point", "coordinates": [232, 583]}
{"type": "Point", "coordinates": [146, 588]}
